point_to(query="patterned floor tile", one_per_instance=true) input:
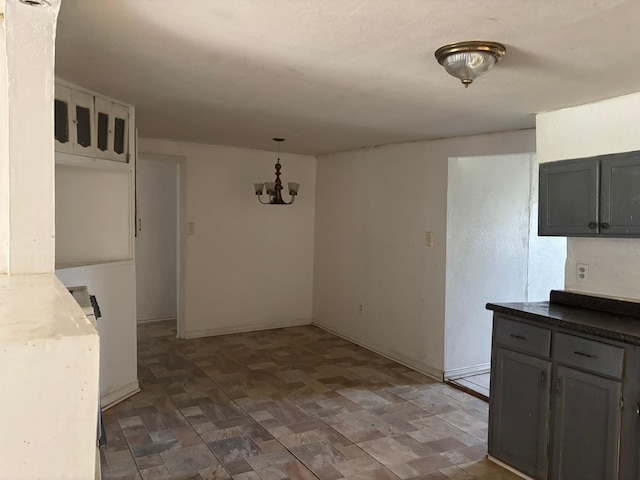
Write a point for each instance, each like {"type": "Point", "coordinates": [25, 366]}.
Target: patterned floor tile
{"type": "Point", "coordinates": [289, 404]}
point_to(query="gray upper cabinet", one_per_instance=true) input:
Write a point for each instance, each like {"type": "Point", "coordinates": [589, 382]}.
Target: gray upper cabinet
{"type": "Point", "coordinates": [568, 198]}
{"type": "Point", "coordinates": [620, 194]}
{"type": "Point", "coordinates": [597, 196]}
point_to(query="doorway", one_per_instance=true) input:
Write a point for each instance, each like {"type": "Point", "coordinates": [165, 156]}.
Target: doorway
{"type": "Point", "coordinates": [157, 244]}
{"type": "Point", "coordinates": [494, 255]}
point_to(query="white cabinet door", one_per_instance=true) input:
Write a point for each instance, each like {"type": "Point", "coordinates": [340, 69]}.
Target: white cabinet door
{"type": "Point", "coordinates": [120, 132]}
{"type": "Point", "coordinates": [63, 124]}
{"type": "Point", "coordinates": [83, 130]}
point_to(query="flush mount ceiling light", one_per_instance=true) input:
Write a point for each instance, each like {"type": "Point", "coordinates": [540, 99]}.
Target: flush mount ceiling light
{"type": "Point", "coordinates": [469, 60]}
{"type": "Point", "coordinates": [274, 189]}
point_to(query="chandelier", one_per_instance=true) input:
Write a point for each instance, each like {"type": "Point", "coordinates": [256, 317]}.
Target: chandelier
{"type": "Point", "coordinates": [274, 189]}
{"type": "Point", "coordinates": [469, 60]}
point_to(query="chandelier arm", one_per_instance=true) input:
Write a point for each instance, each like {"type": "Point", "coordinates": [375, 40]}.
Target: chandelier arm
{"type": "Point", "coordinates": [260, 200]}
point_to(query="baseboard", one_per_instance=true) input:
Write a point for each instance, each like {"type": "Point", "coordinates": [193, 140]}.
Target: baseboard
{"type": "Point", "coordinates": [391, 355]}
{"type": "Point", "coordinates": [456, 373]}
{"type": "Point", "coordinates": [212, 332]}
{"type": "Point", "coordinates": [119, 395]}
{"type": "Point", "coordinates": [152, 319]}
{"type": "Point", "coordinates": [508, 467]}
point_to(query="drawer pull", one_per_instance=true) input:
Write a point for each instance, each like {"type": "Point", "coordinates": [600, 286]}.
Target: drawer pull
{"type": "Point", "coordinates": [519, 337]}
{"type": "Point", "coordinates": [583, 354]}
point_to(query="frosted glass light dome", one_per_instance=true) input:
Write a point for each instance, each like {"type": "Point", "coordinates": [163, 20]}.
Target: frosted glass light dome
{"type": "Point", "coordinates": [469, 60]}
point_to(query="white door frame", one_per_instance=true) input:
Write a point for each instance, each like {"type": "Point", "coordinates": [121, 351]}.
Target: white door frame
{"type": "Point", "coordinates": [181, 231]}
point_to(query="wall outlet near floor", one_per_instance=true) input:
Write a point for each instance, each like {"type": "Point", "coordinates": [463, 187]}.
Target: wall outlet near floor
{"type": "Point", "coordinates": [360, 308]}
{"type": "Point", "coordinates": [582, 272]}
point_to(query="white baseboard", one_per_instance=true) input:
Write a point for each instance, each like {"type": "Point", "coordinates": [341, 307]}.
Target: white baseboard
{"type": "Point", "coordinates": [212, 332]}
{"type": "Point", "coordinates": [122, 393]}
{"type": "Point", "coordinates": [507, 467]}
{"type": "Point", "coordinates": [413, 364]}
{"type": "Point", "coordinates": [455, 373]}
{"type": "Point", "coordinates": [150, 319]}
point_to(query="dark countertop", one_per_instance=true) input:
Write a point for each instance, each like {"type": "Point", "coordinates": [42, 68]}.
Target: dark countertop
{"type": "Point", "coordinates": [564, 311]}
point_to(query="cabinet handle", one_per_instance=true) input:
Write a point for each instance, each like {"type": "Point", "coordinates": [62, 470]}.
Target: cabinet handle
{"type": "Point", "coordinates": [558, 386]}
{"type": "Point", "coordinates": [604, 225]}
{"type": "Point", "coordinates": [593, 224]}
{"type": "Point", "coordinates": [638, 409]}
{"type": "Point", "coordinates": [583, 354]}
{"type": "Point", "coordinates": [543, 382]}
{"type": "Point", "coordinates": [519, 337]}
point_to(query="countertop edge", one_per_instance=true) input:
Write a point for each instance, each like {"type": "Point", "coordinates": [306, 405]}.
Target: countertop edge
{"type": "Point", "coordinates": [566, 324]}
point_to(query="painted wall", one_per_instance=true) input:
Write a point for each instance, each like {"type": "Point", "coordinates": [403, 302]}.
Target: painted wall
{"type": "Point", "coordinates": [156, 242]}
{"type": "Point", "coordinates": [48, 349]}
{"type": "Point", "coordinates": [373, 209]}
{"type": "Point", "coordinates": [32, 242]}
{"type": "Point", "coordinates": [113, 284]}
{"type": "Point", "coordinates": [610, 126]}
{"type": "Point", "coordinates": [4, 152]}
{"type": "Point", "coordinates": [94, 211]}
{"type": "Point", "coordinates": [247, 266]}
{"type": "Point", "coordinates": [492, 254]}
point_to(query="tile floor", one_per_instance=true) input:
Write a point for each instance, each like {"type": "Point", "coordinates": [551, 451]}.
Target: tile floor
{"type": "Point", "coordinates": [296, 403]}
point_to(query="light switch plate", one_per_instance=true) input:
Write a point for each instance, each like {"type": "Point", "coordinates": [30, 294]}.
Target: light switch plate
{"type": "Point", "coordinates": [428, 239]}
{"type": "Point", "coordinates": [191, 228]}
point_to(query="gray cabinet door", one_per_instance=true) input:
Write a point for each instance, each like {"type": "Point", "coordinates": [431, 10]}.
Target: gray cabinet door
{"type": "Point", "coordinates": [620, 194]}
{"type": "Point", "coordinates": [586, 426]}
{"type": "Point", "coordinates": [519, 411]}
{"type": "Point", "coordinates": [569, 198]}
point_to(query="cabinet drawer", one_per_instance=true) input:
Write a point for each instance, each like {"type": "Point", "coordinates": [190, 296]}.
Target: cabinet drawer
{"type": "Point", "coordinates": [523, 337]}
{"type": "Point", "coordinates": [589, 355]}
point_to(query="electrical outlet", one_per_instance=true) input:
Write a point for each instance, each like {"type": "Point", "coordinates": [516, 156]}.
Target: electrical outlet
{"type": "Point", "coordinates": [582, 272]}
{"type": "Point", "coordinates": [361, 308]}
{"type": "Point", "coordinates": [191, 229]}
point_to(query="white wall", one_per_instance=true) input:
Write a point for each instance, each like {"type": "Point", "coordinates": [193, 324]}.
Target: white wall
{"type": "Point", "coordinates": [48, 349]}
{"type": "Point", "coordinates": [547, 255]}
{"type": "Point", "coordinates": [248, 266]}
{"type": "Point", "coordinates": [94, 212]}
{"type": "Point", "coordinates": [30, 43]}
{"type": "Point", "coordinates": [113, 284]}
{"type": "Point", "coordinates": [493, 255]}
{"type": "Point", "coordinates": [4, 153]}
{"type": "Point", "coordinates": [610, 126]}
{"type": "Point", "coordinates": [156, 242]}
{"type": "Point", "coordinates": [487, 251]}
{"type": "Point", "coordinates": [373, 208]}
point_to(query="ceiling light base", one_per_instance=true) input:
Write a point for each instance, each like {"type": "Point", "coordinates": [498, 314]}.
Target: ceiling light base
{"type": "Point", "coordinates": [468, 60]}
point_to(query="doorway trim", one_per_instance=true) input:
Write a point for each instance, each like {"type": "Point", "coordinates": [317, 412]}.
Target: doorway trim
{"type": "Point", "coordinates": [180, 233]}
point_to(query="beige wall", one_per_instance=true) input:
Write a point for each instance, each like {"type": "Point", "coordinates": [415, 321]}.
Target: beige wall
{"type": "Point", "coordinates": [609, 126]}
{"type": "Point", "coordinates": [373, 208]}
{"type": "Point", "coordinates": [248, 266]}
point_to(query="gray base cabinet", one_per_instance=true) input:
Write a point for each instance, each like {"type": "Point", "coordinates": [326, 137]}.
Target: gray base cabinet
{"type": "Point", "coordinates": [586, 426]}
{"type": "Point", "coordinates": [520, 411]}
{"type": "Point", "coordinates": [557, 403]}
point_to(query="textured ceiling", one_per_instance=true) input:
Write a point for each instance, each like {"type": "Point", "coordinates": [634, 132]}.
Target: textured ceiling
{"type": "Point", "coordinates": [333, 75]}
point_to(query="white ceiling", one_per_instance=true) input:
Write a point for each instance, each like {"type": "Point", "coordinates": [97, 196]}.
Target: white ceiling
{"type": "Point", "coordinates": [333, 75]}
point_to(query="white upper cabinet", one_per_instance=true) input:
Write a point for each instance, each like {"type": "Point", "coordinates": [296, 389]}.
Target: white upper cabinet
{"type": "Point", "coordinates": [91, 125]}
{"type": "Point", "coordinates": [62, 109]}
{"type": "Point", "coordinates": [112, 129]}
